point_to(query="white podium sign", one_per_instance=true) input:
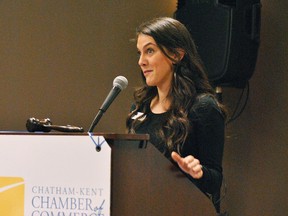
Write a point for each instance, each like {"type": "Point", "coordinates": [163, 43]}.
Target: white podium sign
{"type": "Point", "coordinates": [54, 175]}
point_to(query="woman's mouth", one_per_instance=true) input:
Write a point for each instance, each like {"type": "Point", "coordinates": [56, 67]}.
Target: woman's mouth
{"type": "Point", "coordinates": [145, 72]}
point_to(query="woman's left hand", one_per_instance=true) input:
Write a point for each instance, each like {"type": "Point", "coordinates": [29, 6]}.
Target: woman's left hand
{"type": "Point", "coordinates": [189, 164]}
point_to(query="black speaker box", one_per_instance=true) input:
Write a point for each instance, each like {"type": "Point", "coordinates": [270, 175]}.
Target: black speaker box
{"type": "Point", "coordinates": [227, 36]}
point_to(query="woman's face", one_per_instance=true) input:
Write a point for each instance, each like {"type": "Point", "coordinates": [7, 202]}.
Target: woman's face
{"type": "Point", "coordinates": [156, 67]}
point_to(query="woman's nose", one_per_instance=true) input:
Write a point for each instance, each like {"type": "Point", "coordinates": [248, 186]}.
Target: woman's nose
{"type": "Point", "coordinates": [142, 61]}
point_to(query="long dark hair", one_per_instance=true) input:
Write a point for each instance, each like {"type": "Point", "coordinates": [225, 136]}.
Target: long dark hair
{"type": "Point", "coordinates": [189, 80]}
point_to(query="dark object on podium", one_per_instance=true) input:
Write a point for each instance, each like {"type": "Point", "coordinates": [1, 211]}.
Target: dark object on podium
{"type": "Point", "coordinates": [45, 125]}
{"type": "Point", "coordinates": [227, 35]}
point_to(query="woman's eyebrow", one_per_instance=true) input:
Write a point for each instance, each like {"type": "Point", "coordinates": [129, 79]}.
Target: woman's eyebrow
{"type": "Point", "coordinates": [149, 43]}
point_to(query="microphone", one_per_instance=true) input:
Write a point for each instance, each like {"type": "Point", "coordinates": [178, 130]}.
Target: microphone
{"type": "Point", "coordinates": [45, 125]}
{"type": "Point", "coordinates": [119, 83]}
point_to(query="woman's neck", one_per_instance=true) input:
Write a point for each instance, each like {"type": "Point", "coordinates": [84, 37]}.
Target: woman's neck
{"type": "Point", "coordinates": [160, 103]}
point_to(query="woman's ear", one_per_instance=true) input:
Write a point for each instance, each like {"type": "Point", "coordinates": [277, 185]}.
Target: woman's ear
{"type": "Point", "coordinates": [178, 56]}
{"type": "Point", "coordinates": [181, 54]}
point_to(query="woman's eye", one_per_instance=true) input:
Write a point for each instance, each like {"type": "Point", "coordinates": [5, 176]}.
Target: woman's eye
{"type": "Point", "coordinates": [150, 51]}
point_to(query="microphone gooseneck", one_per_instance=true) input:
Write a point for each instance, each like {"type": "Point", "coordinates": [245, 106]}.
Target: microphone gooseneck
{"type": "Point", "coordinates": [119, 83]}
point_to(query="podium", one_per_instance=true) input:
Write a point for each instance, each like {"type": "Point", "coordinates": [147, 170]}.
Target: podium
{"type": "Point", "coordinates": [143, 181]}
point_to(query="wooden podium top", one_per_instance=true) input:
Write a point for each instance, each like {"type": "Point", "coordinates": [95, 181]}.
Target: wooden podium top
{"type": "Point", "coordinates": [109, 136]}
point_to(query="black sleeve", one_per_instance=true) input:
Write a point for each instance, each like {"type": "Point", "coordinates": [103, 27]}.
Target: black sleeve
{"type": "Point", "coordinates": [209, 138]}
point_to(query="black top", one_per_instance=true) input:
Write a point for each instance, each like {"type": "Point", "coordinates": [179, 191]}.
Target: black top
{"type": "Point", "coordinates": [205, 140]}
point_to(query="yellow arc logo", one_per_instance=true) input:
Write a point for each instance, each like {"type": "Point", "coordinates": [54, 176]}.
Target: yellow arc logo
{"type": "Point", "coordinates": [11, 196]}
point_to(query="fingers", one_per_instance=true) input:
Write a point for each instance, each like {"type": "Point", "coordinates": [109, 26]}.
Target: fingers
{"type": "Point", "coordinates": [176, 157]}
{"type": "Point", "coordinates": [193, 164]}
{"type": "Point", "coordinates": [189, 165]}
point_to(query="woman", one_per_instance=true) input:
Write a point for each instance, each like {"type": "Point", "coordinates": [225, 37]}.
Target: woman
{"type": "Point", "coordinates": [177, 105]}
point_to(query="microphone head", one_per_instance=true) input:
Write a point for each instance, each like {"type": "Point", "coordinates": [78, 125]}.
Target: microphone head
{"type": "Point", "coordinates": [121, 82]}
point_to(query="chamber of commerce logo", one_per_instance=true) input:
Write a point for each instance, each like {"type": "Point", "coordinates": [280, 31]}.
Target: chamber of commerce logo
{"type": "Point", "coordinates": [11, 196]}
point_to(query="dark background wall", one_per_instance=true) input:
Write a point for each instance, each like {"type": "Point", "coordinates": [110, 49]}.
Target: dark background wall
{"type": "Point", "coordinates": [58, 59]}
{"type": "Point", "coordinates": [256, 160]}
